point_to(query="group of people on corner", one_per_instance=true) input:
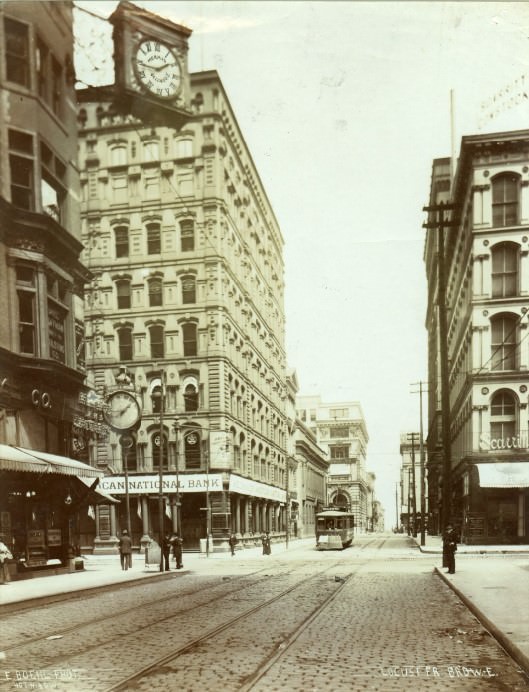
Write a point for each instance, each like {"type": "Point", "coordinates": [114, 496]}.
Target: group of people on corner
{"type": "Point", "coordinates": [449, 549]}
{"type": "Point", "coordinates": [169, 543]}
{"type": "Point", "coordinates": [174, 543]}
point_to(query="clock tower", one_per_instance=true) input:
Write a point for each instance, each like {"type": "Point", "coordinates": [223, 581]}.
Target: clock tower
{"type": "Point", "coordinates": [151, 71]}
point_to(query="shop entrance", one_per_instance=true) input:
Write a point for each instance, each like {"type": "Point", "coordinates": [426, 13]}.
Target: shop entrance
{"type": "Point", "coordinates": [193, 520]}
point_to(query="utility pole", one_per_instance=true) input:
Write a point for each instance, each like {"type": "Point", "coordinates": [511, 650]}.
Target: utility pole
{"type": "Point", "coordinates": [422, 467]}
{"type": "Point", "coordinates": [409, 499]}
{"type": "Point", "coordinates": [397, 505]}
{"type": "Point", "coordinates": [412, 436]}
{"type": "Point", "coordinates": [440, 224]}
{"type": "Point", "coordinates": [160, 473]}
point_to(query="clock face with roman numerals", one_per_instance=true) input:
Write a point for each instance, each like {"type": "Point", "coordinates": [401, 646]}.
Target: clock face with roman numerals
{"type": "Point", "coordinates": [157, 68]}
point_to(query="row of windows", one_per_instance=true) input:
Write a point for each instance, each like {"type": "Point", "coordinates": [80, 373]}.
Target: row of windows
{"type": "Point", "coordinates": [155, 292]}
{"type": "Point", "coordinates": [154, 238]}
{"type": "Point", "coordinates": [121, 154]}
{"type": "Point", "coordinates": [195, 458]}
{"type": "Point", "coordinates": [49, 71]}
{"type": "Point", "coordinates": [157, 341]}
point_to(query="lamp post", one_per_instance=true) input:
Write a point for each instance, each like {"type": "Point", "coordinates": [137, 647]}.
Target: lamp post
{"type": "Point", "coordinates": [178, 527]}
{"type": "Point", "coordinates": [160, 474]}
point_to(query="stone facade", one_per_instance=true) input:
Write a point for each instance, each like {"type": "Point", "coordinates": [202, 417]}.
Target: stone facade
{"type": "Point", "coordinates": [187, 300]}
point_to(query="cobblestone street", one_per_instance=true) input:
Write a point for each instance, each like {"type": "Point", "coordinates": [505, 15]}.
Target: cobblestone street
{"type": "Point", "coordinates": [373, 617]}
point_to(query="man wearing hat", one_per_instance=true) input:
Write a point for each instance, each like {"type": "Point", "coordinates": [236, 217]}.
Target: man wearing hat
{"type": "Point", "coordinates": [125, 549]}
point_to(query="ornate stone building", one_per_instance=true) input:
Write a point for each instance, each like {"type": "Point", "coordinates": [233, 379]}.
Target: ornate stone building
{"type": "Point", "coordinates": [486, 250]}
{"type": "Point", "coordinates": [186, 302]}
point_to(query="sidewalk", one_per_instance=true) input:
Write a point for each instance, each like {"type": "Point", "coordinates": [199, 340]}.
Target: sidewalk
{"type": "Point", "coordinates": [493, 582]}
{"type": "Point", "coordinates": [105, 570]}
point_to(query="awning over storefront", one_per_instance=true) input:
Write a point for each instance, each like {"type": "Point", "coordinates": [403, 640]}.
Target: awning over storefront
{"type": "Point", "coordinates": [30, 460]}
{"type": "Point", "coordinates": [506, 474]}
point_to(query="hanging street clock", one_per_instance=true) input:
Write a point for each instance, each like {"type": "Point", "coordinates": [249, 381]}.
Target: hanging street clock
{"type": "Point", "coordinates": [151, 71]}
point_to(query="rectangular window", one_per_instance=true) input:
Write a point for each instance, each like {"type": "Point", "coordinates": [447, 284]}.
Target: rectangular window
{"type": "Point", "coordinates": [157, 342]}
{"type": "Point", "coordinates": [26, 316]}
{"type": "Point", "coordinates": [125, 344]}
{"type": "Point", "coordinates": [123, 292]}
{"type": "Point", "coordinates": [339, 432]}
{"type": "Point", "coordinates": [21, 170]}
{"type": "Point", "coordinates": [119, 189]}
{"type": "Point", "coordinates": [151, 186]}
{"type": "Point", "coordinates": [187, 236]}
{"type": "Point", "coordinates": [338, 413]}
{"type": "Point", "coordinates": [17, 52]}
{"type": "Point", "coordinates": [188, 291]}
{"type": "Point", "coordinates": [122, 242]}
{"type": "Point", "coordinates": [190, 339]}
{"type": "Point", "coordinates": [154, 240]}
{"type": "Point", "coordinates": [339, 451]}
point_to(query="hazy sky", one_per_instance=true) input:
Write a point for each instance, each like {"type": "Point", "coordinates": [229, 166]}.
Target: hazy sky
{"type": "Point", "coordinates": [343, 106]}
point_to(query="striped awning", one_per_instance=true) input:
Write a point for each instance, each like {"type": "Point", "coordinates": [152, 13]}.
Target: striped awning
{"type": "Point", "coordinates": [504, 474]}
{"type": "Point", "coordinates": [34, 461]}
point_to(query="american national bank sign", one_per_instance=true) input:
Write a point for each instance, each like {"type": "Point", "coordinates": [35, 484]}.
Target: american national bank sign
{"type": "Point", "coordinates": [143, 485]}
{"type": "Point", "coordinates": [488, 443]}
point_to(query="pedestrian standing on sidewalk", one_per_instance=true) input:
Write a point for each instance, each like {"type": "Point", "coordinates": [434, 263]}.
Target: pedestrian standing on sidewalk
{"type": "Point", "coordinates": [449, 549]}
{"type": "Point", "coordinates": [167, 544]}
{"type": "Point", "coordinates": [177, 550]}
{"type": "Point", "coordinates": [5, 555]}
{"type": "Point", "coordinates": [125, 550]}
{"type": "Point", "coordinates": [233, 542]}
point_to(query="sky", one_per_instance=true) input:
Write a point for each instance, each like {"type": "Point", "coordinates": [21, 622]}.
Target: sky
{"type": "Point", "coordinates": [343, 106]}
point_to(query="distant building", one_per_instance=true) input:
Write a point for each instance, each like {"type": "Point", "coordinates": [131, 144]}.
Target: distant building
{"type": "Point", "coordinates": [486, 252]}
{"type": "Point", "coordinates": [341, 432]}
{"type": "Point", "coordinates": [307, 489]}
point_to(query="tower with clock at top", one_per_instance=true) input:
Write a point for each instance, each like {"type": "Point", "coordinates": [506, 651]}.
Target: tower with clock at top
{"type": "Point", "coordinates": [150, 57]}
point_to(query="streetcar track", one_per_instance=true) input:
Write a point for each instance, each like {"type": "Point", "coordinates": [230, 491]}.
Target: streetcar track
{"type": "Point", "coordinates": [167, 658]}
{"type": "Point", "coordinates": [133, 609]}
{"type": "Point", "coordinates": [263, 669]}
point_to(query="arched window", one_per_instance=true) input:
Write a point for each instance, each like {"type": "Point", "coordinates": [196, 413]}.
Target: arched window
{"type": "Point", "coordinates": [157, 341]}
{"type": "Point", "coordinates": [504, 329]}
{"type": "Point", "coordinates": [125, 343]}
{"type": "Point", "coordinates": [504, 270]}
{"type": "Point", "coordinates": [189, 289]}
{"type": "Point", "coordinates": [189, 334]}
{"type": "Point", "coordinates": [502, 416]}
{"type": "Point", "coordinates": [192, 449]}
{"type": "Point", "coordinates": [123, 294]}
{"type": "Point", "coordinates": [155, 447]}
{"type": "Point", "coordinates": [187, 235]}
{"type": "Point", "coordinates": [505, 193]}
{"type": "Point", "coordinates": [121, 235]}
{"type": "Point", "coordinates": [191, 397]}
{"type": "Point", "coordinates": [155, 292]}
